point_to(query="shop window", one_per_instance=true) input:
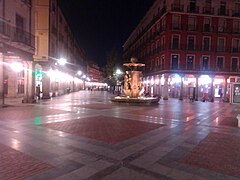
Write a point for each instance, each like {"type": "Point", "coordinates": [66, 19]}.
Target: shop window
{"type": "Point", "coordinates": [175, 60]}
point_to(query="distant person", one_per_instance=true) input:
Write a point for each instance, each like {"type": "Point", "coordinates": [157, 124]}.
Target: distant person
{"type": "Point", "coordinates": [38, 91]}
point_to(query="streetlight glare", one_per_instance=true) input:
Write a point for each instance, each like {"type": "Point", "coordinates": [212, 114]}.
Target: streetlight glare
{"type": "Point", "coordinates": [16, 66]}
{"type": "Point", "coordinates": [62, 61]}
{"type": "Point", "coordinates": [79, 73]}
{"type": "Point", "coordinates": [118, 72]}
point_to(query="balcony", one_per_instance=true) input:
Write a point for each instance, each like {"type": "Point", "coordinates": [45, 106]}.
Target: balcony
{"type": "Point", "coordinates": [223, 12]}
{"type": "Point", "coordinates": [4, 29]}
{"type": "Point", "coordinates": [21, 36]}
{"type": "Point", "coordinates": [193, 9]}
{"type": "Point", "coordinates": [208, 10]}
{"type": "Point", "coordinates": [15, 35]}
{"type": "Point", "coordinates": [236, 13]}
{"type": "Point", "coordinates": [177, 7]}
{"type": "Point", "coordinates": [235, 50]}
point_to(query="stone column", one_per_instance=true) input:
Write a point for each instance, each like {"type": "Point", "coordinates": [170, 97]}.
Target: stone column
{"type": "Point", "coordinates": [212, 89]}
{"type": "Point", "coordinates": [165, 88]}
{"type": "Point", "coordinates": [181, 88]}
{"type": "Point", "coordinates": [196, 93]}
{"type": "Point", "coordinates": [225, 87]}
{"type": "Point", "coordinates": [46, 84]}
{"type": "Point", "coordinates": [1, 79]}
{"type": "Point", "coordinates": [160, 86]}
{"type": "Point", "coordinates": [29, 83]}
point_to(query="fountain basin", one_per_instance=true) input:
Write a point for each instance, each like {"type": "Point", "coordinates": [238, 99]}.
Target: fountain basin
{"type": "Point", "coordinates": [136, 101]}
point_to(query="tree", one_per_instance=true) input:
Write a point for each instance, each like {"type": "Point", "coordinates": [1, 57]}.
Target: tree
{"type": "Point", "coordinates": [113, 61]}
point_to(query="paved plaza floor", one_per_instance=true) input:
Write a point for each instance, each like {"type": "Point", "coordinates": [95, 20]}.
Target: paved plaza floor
{"type": "Point", "coordinates": [83, 135]}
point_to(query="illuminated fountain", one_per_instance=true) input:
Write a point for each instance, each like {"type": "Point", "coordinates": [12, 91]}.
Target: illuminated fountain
{"type": "Point", "coordinates": [133, 86]}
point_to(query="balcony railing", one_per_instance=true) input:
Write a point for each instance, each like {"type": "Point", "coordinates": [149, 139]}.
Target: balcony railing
{"type": "Point", "coordinates": [16, 34]}
{"type": "Point", "coordinates": [235, 13]}
{"type": "Point", "coordinates": [4, 28]}
{"type": "Point", "coordinates": [22, 37]}
{"type": "Point", "coordinates": [223, 12]}
{"type": "Point", "coordinates": [208, 10]}
{"type": "Point", "coordinates": [193, 9]}
{"type": "Point", "coordinates": [177, 7]}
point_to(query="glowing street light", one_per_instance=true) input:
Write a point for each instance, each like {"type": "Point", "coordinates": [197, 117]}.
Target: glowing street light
{"type": "Point", "coordinates": [79, 73]}
{"type": "Point", "coordinates": [62, 61]}
{"type": "Point", "coordinates": [16, 66]}
{"type": "Point", "coordinates": [118, 72]}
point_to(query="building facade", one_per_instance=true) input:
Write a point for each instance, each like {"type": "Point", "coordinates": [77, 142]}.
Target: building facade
{"type": "Point", "coordinates": [191, 48]}
{"type": "Point", "coordinates": [54, 41]}
{"type": "Point", "coordinates": [17, 47]}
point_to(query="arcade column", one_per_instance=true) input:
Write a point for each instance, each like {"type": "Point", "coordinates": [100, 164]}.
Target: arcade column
{"type": "Point", "coordinates": [225, 87]}
{"type": "Point", "coordinates": [29, 83]}
{"type": "Point", "coordinates": [46, 85]}
{"type": "Point", "coordinates": [181, 88]}
{"type": "Point", "coordinates": [196, 90]}
{"type": "Point", "coordinates": [165, 87]}
{"type": "Point", "coordinates": [212, 89]}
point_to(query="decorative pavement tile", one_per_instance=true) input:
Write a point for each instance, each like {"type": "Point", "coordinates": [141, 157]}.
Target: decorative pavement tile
{"type": "Point", "coordinates": [16, 165]}
{"type": "Point", "coordinates": [217, 152]}
{"type": "Point", "coordinates": [107, 129]}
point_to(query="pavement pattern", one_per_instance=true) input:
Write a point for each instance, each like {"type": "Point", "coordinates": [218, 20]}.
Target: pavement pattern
{"type": "Point", "coordinates": [83, 135]}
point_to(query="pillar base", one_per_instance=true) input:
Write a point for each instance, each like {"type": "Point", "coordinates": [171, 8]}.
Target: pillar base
{"type": "Point", "coordinates": [25, 100]}
{"type": "Point", "coordinates": [165, 98]}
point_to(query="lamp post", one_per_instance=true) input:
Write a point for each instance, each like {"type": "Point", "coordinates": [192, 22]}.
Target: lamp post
{"type": "Point", "coordinates": [118, 82]}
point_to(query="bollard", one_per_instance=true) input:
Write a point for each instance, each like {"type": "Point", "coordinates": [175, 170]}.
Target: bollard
{"type": "Point", "coordinates": [238, 117]}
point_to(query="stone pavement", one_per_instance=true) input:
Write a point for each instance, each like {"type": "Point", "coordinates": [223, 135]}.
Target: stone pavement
{"type": "Point", "coordinates": [84, 135]}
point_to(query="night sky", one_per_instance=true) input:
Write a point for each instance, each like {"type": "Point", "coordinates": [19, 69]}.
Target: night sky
{"type": "Point", "coordinates": [101, 25]}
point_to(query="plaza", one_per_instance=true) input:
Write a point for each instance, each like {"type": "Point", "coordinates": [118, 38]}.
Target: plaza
{"type": "Point", "coordinates": [83, 135]}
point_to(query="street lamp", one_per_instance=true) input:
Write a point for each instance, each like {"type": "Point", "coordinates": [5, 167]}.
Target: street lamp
{"type": "Point", "coordinates": [79, 73]}
{"type": "Point", "coordinates": [62, 61]}
{"type": "Point", "coordinates": [118, 83]}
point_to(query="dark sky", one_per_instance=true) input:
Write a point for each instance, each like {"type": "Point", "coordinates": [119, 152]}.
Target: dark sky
{"type": "Point", "coordinates": [101, 25]}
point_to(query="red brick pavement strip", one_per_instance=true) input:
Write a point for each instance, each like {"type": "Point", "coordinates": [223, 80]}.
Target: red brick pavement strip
{"type": "Point", "coordinates": [217, 152]}
{"type": "Point", "coordinates": [228, 121]}
{"type": "Point", "coordinates": [16, 165]}
{"type": "Point", "coordinates": [107, 129]}
{"type": "Point", "coordinates": [23, 113]}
